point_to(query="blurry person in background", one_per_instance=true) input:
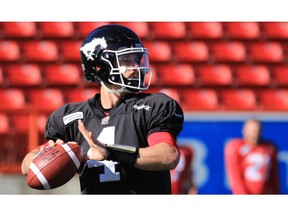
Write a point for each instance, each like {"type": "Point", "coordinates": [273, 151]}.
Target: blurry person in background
{"type": "Point", "coordinates": [182, 176]}
{"type": "Point", "coordinates": [251, 162]}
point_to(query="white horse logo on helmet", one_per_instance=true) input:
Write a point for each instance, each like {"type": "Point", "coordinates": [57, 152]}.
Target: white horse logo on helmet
{"type": "Point", "coordinates": [89, 48]}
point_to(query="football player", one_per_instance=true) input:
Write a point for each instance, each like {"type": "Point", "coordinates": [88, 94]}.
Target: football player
{"type": "Point", "coordinates": [128, 136]}
{"type": "Point", "coordinates": [251, 163]}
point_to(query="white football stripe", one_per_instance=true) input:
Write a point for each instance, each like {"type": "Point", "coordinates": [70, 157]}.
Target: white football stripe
{"type": "Point", "coordinates": [40, 176]}
{"type": "Point", "coordinates": [71, 154]}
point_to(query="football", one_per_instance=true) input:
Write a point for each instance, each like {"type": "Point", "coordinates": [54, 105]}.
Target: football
{"type": "Point", "coordinates": [54, 166]}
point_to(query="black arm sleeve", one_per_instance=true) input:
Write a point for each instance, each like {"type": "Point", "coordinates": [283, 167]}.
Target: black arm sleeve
{"type": "Point", "coordinates": [122, 153]}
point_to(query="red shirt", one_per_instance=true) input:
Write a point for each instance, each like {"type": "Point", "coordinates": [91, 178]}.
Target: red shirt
{"type": "Point", "coordinates": [181, 174]}
{"type": "Point", "coordinates": [251, 169]}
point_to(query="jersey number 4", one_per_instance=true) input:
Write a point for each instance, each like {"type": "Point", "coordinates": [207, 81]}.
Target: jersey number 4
{"type": "Point", "coordinates": [107, 136]}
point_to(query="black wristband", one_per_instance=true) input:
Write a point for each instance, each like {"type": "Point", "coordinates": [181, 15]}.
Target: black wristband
{"type": "Point", "coordinates": [122, 153]}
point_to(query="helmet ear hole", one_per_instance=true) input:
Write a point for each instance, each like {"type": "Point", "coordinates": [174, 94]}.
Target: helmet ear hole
{"type": "Point", "coordinates": [106, 55]}
{"type": "Point", "coordinates": [98, 53]}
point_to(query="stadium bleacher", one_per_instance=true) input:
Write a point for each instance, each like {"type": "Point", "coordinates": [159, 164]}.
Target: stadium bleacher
{"type": "Point", "coordinates": [206, 66]}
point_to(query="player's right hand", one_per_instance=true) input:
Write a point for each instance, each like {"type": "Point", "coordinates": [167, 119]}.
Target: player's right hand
{"type": "Point", "coordinates": [97, 150]}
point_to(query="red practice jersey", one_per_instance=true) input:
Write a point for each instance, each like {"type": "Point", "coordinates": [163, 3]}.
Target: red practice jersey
{"type": "Point", "coordinates": [252, 169]}
{"type": "Point", "coordinates": [182, 174]}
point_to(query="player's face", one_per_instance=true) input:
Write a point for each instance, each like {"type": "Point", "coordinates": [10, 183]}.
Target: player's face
{"type": "Point", "coordinates": [129, 69]}
{"type": "Point", "coordinates": [130, 64]}
{"type": "Point", "coordinates": [252, 131]}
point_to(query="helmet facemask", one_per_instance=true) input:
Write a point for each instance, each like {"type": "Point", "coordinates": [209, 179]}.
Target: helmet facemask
{"type": "Point", "coordinates": [129, 69]}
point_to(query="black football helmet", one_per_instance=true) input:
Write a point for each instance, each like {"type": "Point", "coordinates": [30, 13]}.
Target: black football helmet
{"type": "Point", "coordinates": [108, 52]}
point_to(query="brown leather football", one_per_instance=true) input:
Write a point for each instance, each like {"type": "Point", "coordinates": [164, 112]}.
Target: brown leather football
{"type": "Point", "coordinates": [54, 166]}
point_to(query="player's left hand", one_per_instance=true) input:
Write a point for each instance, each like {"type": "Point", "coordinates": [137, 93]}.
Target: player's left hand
{"type": "Point", "coordinates": [57, 142]}
{"type": "Point", "coordinates": [97, 150]}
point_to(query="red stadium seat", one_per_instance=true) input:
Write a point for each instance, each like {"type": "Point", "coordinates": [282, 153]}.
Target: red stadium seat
{"type": "Point", "coordinates": [19, 29]}
{"type": "Point", "coordinates": [199, 99]}
{"type": "Point", "coordinates": [78, 95]}
{"type": "Point", "coordinates": [228, 51]}
{"type": "Point", "coordinates": [82, 29]}
{"type": "Point", "coordinates": [24, 75]}
{"type": "Point", "coordinates": [70, 51]}
{"type": "Point", "coordinates": [140, 28]}
{"type": "Point", "coordinates": [45, 100]}
{"type": "Point", "coordinates": [243, 30]}
{"type": "Point", "coordinates": [160, 51]}
{"type": "Point", "coordinates": [40, 51]}
{"type": "Point", "coordinates": [12, 99]}
{"type": "Point", "coordinates": [215, 75]}
{"type": "Point", "coordinates": [252, 75]}
{"type": "Point", "coordinates": [4, 126]}
{"type": "Point", "coordinates": [5, 132]}
{"type": "Point", "coordinates": [2, 80]}
{"type": "Point", "coordinates": [20, 122]}
{"type": "Point", "coordinates": [195, 51]}
{"type": "Point", "coordinates": [176, 75]}
{"type": "Point", "coordinates": [238, 99]}
{"type": "Point", "coordinates": [273, 99]}
{"type": "Point", "coordinates": [266, 52]}
{"type": "Point", "coordinates": [205, 30]}
{"type": "Point", "coordinates": [14, 146]}
{"type": "Point", "coordinates": [172, 92]}
{"type": "Point", "coordinates": [280, 75]}
{"type": "Point", "coordinates": [20, 128]}
{"type": "Point", "coordinates": [56, 29]}
{"type": "Point", "coordinates": [9, 50]}
{"type": "Point", "coordinates": [61, 74]}
{"type": "Point", "coordinates": [275, 30]}
{"type": "Point", "coordinates": [168, 30]}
